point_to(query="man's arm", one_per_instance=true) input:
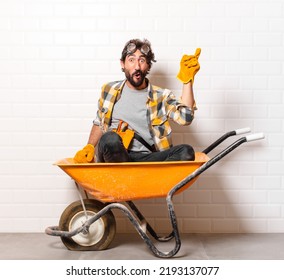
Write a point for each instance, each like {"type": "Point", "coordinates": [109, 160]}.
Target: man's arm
{"type": "Point", "coordinates": [187, 96]}
{"type": "Point", "coordinates": [95, 135]}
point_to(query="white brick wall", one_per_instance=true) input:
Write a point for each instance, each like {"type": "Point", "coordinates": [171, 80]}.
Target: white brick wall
{"type": "Point", "coordinates": [56, 54]}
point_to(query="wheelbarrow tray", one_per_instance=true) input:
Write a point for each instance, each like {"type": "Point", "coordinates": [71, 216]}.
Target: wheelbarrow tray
{"type": "Point", "coordinates": [115, 182]}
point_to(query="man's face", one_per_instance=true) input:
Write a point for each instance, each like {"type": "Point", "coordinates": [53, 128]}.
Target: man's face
{"type": "Point", "coordinates": [136, 68]}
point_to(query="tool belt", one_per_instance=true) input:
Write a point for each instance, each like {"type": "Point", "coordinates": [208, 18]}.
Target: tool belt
{"type": "Point", "coordinates": [127, 135]}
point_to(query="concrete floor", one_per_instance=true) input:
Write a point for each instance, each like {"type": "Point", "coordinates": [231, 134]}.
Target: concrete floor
{"type": "Point", "coordinates": [39, 246]}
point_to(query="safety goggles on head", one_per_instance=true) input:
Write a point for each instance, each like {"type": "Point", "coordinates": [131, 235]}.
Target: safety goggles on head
{"type": "Point", "coordinates": [131, 48]}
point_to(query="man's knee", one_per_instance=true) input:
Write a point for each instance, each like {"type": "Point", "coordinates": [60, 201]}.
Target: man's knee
{"type": "Point", "coordinates": [110, 139]}
{"type": "Point", "coordinates": [111, 149]}
{"type": "Point", "coordinates": [187, 153]}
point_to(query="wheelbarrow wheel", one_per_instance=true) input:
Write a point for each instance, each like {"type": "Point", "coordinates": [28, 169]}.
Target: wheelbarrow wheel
{"type": "Point", "coordinates": [100, 233]}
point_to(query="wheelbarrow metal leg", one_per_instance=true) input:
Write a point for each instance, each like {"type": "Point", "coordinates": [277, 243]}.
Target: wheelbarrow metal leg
{"type": "Point", "coordinates": [148, 226]}
{"type": "Point", "coordinates": [144, 235]}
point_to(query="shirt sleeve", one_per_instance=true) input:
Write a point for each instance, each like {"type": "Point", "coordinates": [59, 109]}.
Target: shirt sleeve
{"type": "Point", "coordinates": [98, 120]}
{"type": "Point", "coordinates": [178, 111]}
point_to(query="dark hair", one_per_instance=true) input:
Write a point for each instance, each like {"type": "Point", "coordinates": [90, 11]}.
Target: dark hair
{"type": "Point", "coordinates": [150, 57]}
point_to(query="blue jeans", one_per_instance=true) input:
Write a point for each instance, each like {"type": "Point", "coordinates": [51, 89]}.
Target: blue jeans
{"type": "Point", "coordinates": [111, 149]}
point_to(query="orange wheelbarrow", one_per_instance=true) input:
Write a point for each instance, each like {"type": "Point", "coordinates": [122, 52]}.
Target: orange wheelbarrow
{"type": "Point", "coordinates": [89, 224]}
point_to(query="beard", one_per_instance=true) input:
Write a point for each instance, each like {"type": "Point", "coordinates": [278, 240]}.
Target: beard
{"type": "Point", "coordinates": [137, 78]}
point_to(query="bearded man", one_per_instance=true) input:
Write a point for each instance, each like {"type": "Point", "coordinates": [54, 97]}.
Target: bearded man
{"type": "Point", "coordinates": [132, 121]}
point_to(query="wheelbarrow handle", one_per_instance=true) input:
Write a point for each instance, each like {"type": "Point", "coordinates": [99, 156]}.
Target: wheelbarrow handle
{"type": "Point", "coordinates": [254, 137]}
{"type": "Point", "coordinates": [224, 137]}
{"type": "Point", "coordinates": [242, 130]}
{"type": "Point", "coordinates": [210, 162]}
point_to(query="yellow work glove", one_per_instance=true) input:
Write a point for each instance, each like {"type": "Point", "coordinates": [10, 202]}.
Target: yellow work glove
{"type": "Point", "coordinates": [86, 155]}
{"type": "Point", "coordinates": [189, 66]}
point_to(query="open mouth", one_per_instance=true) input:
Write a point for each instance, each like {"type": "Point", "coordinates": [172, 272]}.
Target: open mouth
{"type": "Point", "coordinates": [136, 78]}
{"type": "Point", "coordinates": [137, 75]}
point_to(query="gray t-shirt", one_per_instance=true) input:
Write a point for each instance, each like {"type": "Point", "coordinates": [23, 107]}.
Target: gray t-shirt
{"type": "Point", "coordinates": [131, 108]}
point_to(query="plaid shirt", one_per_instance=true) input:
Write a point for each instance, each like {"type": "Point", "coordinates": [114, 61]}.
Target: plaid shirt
{"type": "Point", "coordinates": [161, 104]}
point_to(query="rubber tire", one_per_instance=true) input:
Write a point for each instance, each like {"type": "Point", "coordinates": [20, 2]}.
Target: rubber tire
{"type": "Point", "coordinates": [107, 225]}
